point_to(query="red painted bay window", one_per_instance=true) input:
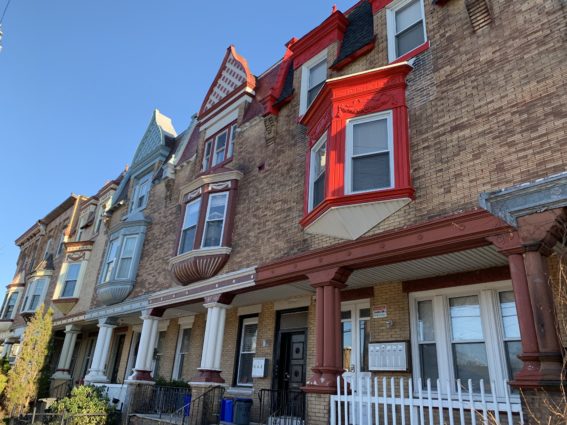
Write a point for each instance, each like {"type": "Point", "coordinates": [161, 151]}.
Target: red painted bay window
{"type": "Point", "coordinates": [357, 168]}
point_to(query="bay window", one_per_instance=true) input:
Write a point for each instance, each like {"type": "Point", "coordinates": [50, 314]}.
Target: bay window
{"type": "Point", "coordinates": [247, 350]}
{"type": "Point", "coordinates": [110, 260]}
{"type": "Point", "coordinates": [214, 220]}
{"type": "Point", "coordinates": [317, 172]}
{"type": "Point", "coordinates": [190, 222]}
{"type": "Point", "coordinates": [9, 307]}
{"type": "Point", "coordinates": [466, 333]}
{"type": "Point", "coordinates": [121, 255]}
{"type": "Point", "coordinates": [34, 295]}
{"type": "Point", "coordinates": [126, 257]}
{"type": "Point", "coordinates": [406, 27]}
{"type": "Point", "coordinates": [369, 162]}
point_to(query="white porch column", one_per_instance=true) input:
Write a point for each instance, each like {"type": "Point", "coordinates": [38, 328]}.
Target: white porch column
{"type": "Point", "coordinates": [63, 371]}
{"type": "Point", "coordinates": [101, 352]}
{"type": "Point", "coordinates": [212, 346]}
{"type": "Point", "coordinates": [143, 367]}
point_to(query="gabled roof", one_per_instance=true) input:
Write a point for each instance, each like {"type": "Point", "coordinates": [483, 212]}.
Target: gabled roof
{"type": "Point", "coordinates": [234, 74]}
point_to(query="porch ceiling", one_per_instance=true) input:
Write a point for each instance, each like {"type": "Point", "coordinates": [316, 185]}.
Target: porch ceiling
{"type": "Point", "coordinates": [455, 262]}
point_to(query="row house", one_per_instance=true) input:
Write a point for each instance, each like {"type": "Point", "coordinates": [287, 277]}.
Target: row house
{"type": "Point", "coordinates": [387, 200]}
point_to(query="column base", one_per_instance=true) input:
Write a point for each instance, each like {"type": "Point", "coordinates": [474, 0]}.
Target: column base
{"type": "Point", "coordinates": [61, 375]}
{"type": "Point", "coordinates": [323, 381]}
{"type": "Point", "coordinates": [540, 370]}
{"type": "Point", "coordinates": [96, 377]}
{"type": "Point", "coordinates": [140, 377]}
{"type": "Point", "coordinates": [209, 375]}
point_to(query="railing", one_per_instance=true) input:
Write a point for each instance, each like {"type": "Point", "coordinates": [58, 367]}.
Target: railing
{"type": "Point", "coordinates": [397, 401]}
{"type": "Point", "coordinates": [279, 407]}
{"type": "Point", "coordinates": [158, 400]}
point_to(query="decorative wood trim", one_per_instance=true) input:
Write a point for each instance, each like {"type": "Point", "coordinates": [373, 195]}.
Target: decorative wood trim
{"type": "Point", "coordinates": [493, 274]}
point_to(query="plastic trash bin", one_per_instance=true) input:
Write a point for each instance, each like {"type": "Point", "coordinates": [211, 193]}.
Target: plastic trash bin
{"type": "Point", "coordinates": [187, 404]}
{"type": "Point", "coordinates": [242, 411]}
{"type": "Point", "coordinates": [226, 413]}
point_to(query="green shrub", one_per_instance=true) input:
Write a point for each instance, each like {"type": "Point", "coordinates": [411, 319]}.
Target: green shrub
{"type": "Point", "coordinates": [162, 382]}
{"type": "Point", "coordinates": [84, 400]}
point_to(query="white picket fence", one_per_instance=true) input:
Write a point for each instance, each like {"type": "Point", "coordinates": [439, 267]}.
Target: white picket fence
{"type": "Point", "coordinates": [396, 401]}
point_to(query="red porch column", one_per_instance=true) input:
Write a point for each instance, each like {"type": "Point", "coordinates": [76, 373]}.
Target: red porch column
{"type": "Point", "coordinates": [328, 364]}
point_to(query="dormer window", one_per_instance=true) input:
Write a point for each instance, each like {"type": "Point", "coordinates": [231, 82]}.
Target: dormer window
{"type": "Point", "coordinates": [219, 147]}
{"type": "Point", "coordinates": [141, 193]}
{"type": "Point", "coordinates": [317, 174]}
{"type": "Point", "coordinates": [313, 76]}
{"type": "Point", "coordinates": [214, 221]}
{"type": "Point", "coordinates": [406, 27]}
{"type": "Point", "coordinates": [369, 163]}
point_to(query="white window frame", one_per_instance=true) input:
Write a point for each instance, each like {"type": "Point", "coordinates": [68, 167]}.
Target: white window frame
{"type": "Point", "coordinates": [206, 220]}
{"type": "Point", "coordinates": [60, 244]}
{"type": "Point", "coordinates": [141, 182]}
{"type": "Point", "coordinates": [30, 293]}
{"type": "Point", "coordinates": [388, 116]}
{"type": "Point", "coordinates": [17, 293]}
{"type": "Point", "coordinates": [101, 209]}
{"type": "Point", "coordinates": [488, 295]}
{"type": "Point", "coordinates": [222, 151]}
{"type": "Point", "coordinates": [245, 322]}
{"type": "Point", "coordinates": [207, 152]}
{"type": "Point", "coordinates": [63, 280]}
{"type": "Point", "coordinates": [322, 141]}
{"type": "Point", "coordinates": [305, 72]}
{"type": "Point", "coordinates": [232, 136]}
{"type": "Point", "coordinates": [108, 261]}
{"type": "Point", "coordinates": [158, 356]}
{"type": "Point", "coordinates": [177, 369]}
{"type": "Point", "coordinates": [354, 307]}
{"type": "Point", "coordinates": [391, 10]}
{"type": "Point", "coordinates": [121, 256]}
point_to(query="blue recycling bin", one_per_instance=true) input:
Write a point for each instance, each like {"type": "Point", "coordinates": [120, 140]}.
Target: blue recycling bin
{"type": "Point", "coordinates": [227, 407]}
{"type": "Point", "coordinates": [187, 404]}
{"type": "Point", "coordinates": [242, 411]}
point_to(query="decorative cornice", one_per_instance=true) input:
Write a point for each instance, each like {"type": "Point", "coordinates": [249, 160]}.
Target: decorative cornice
{"type": "Point", "coordinates": [207, 179]}
{"type": "Point", "coordinates": [128, 306]}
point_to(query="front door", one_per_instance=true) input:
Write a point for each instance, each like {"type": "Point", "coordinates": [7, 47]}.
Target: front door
{"type": "Point", "coordinates": [292, 361]}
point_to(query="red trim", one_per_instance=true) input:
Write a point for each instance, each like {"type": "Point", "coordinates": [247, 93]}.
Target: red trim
{"type": "Point", "coordinates": [250, 79]}
{"type": "Point", "coordinates": [225, 104]}
{"type": "Point", "coordinates": [357, 294]}
{"type": "Point", "coordinates": [379, 4]}
{"type": "Point", "coordinates": [452, 233]}
{"type": "Point", "coordinates": [352, 96]}
{"type": "Point", "coordinates": [356, 55]}
{"type": "Point", "coordinates": [212, 139]}
{"type": "Point", "coordinates": [331, 30]}
{"type": "Point", "coordinates": [270, 103]}
{"type": "Point", "coordinates": [412, 53]}
{"type": "Point", "coordinates": [493, 274]}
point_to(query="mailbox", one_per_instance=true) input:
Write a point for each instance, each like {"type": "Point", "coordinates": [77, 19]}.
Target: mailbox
{"type": "Point", "coordinates": [259, 367]}
{"type": "Point", "coordinates": [388, 356]}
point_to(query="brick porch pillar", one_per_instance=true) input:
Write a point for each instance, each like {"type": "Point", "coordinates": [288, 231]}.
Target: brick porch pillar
{"type": "Point", "coordinates": [328, 363]}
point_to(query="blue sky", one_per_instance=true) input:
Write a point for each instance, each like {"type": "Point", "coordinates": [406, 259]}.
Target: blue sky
{"type": "Point", "coordinates": [80, 79]}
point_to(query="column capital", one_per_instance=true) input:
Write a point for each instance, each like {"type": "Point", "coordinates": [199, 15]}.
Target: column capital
{"type": "Point", "coordinates": [336, 276]}
{"type": "Point", "coordinates": [541, 231]}
{"type": "Point", "coordinates": [69, 329]}
{"type": "Point", "coordinates": [225, 299]}
{"type": "Point", "coordinates": [107, 322]}
{"type": "Point", "coordinates": [507, 243]}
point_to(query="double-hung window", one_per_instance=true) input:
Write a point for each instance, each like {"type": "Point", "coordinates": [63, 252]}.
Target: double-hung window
{"type": "Point", "coordinates": [466, 333]}
{"type": "Point", "coordinates": [231, 142]}
{"type": "Point", "coordinates": [126, 257]}
{"type": "Point", "coordinates": [214, 220]}
{"type": "Point", "coordinates": [70, 282]}
{"type": "Point", "coordinates": [190, 222]}
{"type": "Point", "coordinates": [182, 352]}
{"type": "Point", "coordinates": [81, 227]}
{"type": "Point", "coordinates": [110, 260]}
{"type": "Point", "coordinates": [219, 147]}
{"type": "Point", "coordinates": [159, 351]}
{"type": "Point", "coordinates": [141, 193]}
{"type": "Point", "coordinates": [34, 295]}
{"type": "Point", "coordinates": [369, 153]}
{"type": "Point", "coordinates": [207, 154]}
{"type": "Point", "coordinates": [47, 248]}
{"type": "Point", "coordinates": [313, 76]}
{"type": "Point", "coordinates": [406, 27]}
{"type": "Point", "coordinates": [317, 172]}
{"type": "Point", "coordinates": [247, 350]}
{"type": "Point", "coordinates": [60, 244]}
{"type": "Point", "coordinates": [10, 306]}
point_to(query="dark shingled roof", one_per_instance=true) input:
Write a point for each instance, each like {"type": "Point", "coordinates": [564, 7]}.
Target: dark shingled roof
{"type": "Point", "coordinates": [191, 147]}
{"type": "Point", "coordinates": [287, 90]}
{"type": "Point", "coordinates": [359, 32]}
{"type": "Point", "coordinates": [264, 85]}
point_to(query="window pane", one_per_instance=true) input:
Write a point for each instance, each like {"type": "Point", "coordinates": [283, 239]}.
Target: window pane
{"type": "Point", "coordinates": [185, 340]}
{"type": "Point", "coordinates": [220, 145]}
{"type": "Point", "coordinates": [129, 245]}
{"type": "Point", "coordinates": [319, 159]}
{"type": "Point", "coordinates": [312, 93]}
{"type": "Point", "coordinates": [364, 313]}
{"type": "Point", "coordinates": [217, 204]}
{"type": "Point", "coordinates": [471, 363]}
{"type": "Point", "coordinates": [318, 190]}
{"type": "Point", "coordinates": [245, 369]}
{"type": "Point", "coordinates": [408, 15]}
{"type": "Point", "coordinates": [364, 336]}
{"type": "Point", "coordinates": [207, 155]}
{"type": "Point", "coordinates": [39, 284]}
{"type": "Point", "coordinates": [124, 268]}
{"type": "Point", "coordinates": [509, 315]}
{"type": "Point", "coordinates": [465, 318]}
{"type": "Point", "coordinates": [369, 137]}
{"type": "Point", "coordinates": [188, 239]}
{"type": "Point", "coordinates": [410, 39]}
{"type": "Point", "coordinates": [371, 172]}
{"type": "Point", "coordinates": [428, 363]}
{"type": "Point", "coordinates": [318, 74]}
{"type": "Point", "coordinates": [347, 344]}
{"type": "Point", "coordinates": [425, 330]}
{"type": "Point", "coordinates": [249, 338]}
{"type": "Point", "coordinates": [68, 288]}
{"type": "Point", "coordinates": [73, 271]}
{"type": "Point", "coordinates": [513, 349]}
{"type": "Point", "coordinates": [213, 230]}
